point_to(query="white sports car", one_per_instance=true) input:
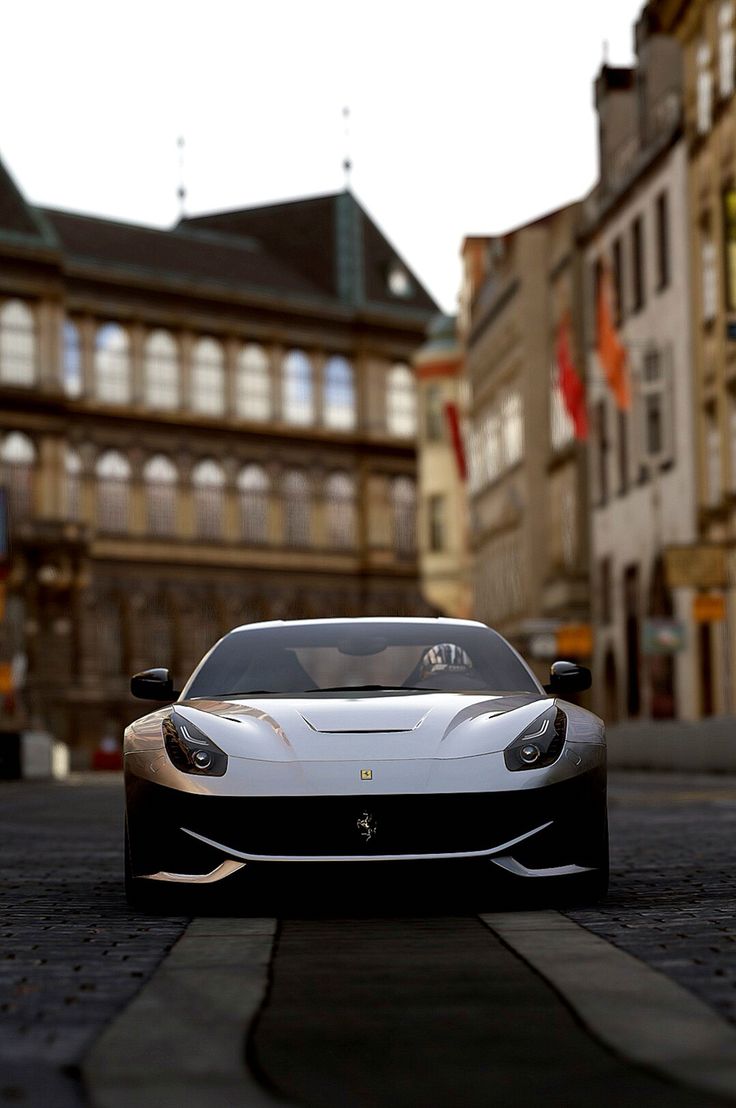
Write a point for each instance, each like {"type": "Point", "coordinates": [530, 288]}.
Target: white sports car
{"type": "Point", "coordinates": [391, 740]}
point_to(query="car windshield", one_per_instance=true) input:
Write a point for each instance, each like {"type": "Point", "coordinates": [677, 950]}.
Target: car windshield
{"type": "Point", "coordinates": [361, 657]}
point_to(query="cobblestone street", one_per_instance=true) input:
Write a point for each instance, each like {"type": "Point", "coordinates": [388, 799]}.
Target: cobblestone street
{"type": "Point", "coordinates": [74, 954]}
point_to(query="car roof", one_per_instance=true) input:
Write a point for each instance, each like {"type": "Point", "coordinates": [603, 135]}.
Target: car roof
{"type": "Point", "coordinates": [433, 620]}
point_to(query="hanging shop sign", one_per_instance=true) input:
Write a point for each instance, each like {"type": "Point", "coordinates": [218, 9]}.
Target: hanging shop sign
{"type": "Point", "coordinates": [662, 636]}
{"type": "Point", "coordinates": [709, 608]}
{"type": "Point", "coordinates": [696, 567]}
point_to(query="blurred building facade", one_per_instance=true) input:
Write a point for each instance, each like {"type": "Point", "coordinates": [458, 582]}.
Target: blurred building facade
{"type": "Point", "coordinates": [527, 472]}
{"type": "Point", "coordinates": [642, 449]}
{"type": "Point", "coordinates": [443, 536]}
{"type": "Point", "coordinates": [706, 30]}
{"type": "Point", "coordinates": [200, 427]}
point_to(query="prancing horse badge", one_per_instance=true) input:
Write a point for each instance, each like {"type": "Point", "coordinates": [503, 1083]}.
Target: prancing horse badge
{"type": "Point", "coordinates": [366, 775]}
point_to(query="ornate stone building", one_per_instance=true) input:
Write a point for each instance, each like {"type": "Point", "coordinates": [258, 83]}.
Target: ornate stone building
{"type": "Point", "coordinates": [199, 427]}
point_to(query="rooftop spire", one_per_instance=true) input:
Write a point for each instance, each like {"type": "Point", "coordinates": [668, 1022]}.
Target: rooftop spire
{"type": "Point", "coordinates": [347, 164]}
{"type": "Point", "coordinates": [181, 192]}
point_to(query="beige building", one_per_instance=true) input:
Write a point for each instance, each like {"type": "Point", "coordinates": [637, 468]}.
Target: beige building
{"type": "Point", "coordinates": [442, 471]}
{"type": "Point", "coordinates": [199, 427]}
{"type": "Point", "coordinates": [526, 470]}
{"type": "Point", "coordinates": [706, 30]}
{"type": "Point", "coordinates": [642, 456]}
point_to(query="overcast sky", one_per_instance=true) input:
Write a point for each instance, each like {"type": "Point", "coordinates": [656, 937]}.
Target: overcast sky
{"type": "Point", "coordinates": [467, 116]}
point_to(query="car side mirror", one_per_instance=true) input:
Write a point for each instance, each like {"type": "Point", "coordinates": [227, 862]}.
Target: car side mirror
{"type": "Point", "coordinates": [153, 684]}
{"type": "Point", "coordinates": [568, 677]}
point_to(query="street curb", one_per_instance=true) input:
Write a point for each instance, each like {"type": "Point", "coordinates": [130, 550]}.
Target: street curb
{"type": "Point", "coordinates": [633, 1009]}
{"type": "Point", "coordinates": [181, 1040]}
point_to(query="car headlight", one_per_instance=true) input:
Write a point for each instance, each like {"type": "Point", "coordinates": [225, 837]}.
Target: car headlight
{"type": "Point", "coordinates": [190, 749]}
{"type": "Point", "coordinates": [540, 744]}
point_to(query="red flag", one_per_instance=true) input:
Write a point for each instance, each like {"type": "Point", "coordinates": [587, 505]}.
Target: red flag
{"type": "Point", "coordinates": [611, 351]}
{"type": "Point", "coordinates": [453, 420]}
{"type": "Point", "coordinates": [569, 381]}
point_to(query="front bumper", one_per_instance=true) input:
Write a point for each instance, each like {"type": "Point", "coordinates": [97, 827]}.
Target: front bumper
{"type": "Point", "coordinates": [188, 837]}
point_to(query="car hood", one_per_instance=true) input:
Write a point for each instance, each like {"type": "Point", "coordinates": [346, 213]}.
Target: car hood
{"type": "Point", "coordinates": [382, 727]}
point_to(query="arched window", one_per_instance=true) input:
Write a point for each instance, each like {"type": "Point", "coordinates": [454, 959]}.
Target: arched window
{"type": "Point", "coordinates": [340, 505]}
{"type": "Point", "coordinates": [208, 480]}
{"type": "Point", "coordinates": [297, 388]}
{"type": "Point", "coordinates": [73, 481]}
{"type": "Point", "coordinates": [253, 493]}
{"type": "Point", "coordinates": [339, 406]}
{"type": "Point", "coordinates": [71, 359]}
{"type": "Point", "coordinates": [113, 491]}
{"type": "Point", "coordinates": [403, 510]}
{"type": "Point", "coordinates": [112, 364]}
{"type": "Point", "coordinates": [160, 476]}
{"type": "Point", "coordinates": [161, 371]}
{"type": "Point", "coordinates": [401, 402]}
{"type": "Point", "coordinates": [17, 463]}
{"type": "Point", "coordinates": [208, 377]}
{"type": "Point", "coordinates": [253, 394]}
{"type": "Point", "coordinates": [297, 509]}
{"type": "Point", "coordinates": [17, 344]}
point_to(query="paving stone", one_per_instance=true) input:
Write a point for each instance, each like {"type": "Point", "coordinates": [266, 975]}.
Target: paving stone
{"type": "Point", "coordinates": [72, 953]}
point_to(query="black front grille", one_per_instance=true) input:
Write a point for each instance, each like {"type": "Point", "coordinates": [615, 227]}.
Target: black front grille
{"type": "Point", "coordinates": [361, 825]}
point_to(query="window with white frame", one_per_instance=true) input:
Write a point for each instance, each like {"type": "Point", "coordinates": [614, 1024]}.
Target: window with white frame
{"type": "Point", "coordinates": [17, 344]}
{"type": "Point", "coordinates": [297, 388]}
{"type": "Point", "coordinates": [297, 503]}
{"type": "Point", "coordinates": [113, 492]}
{"type": "Point", "coordinates": [17, 467]}
{"type": "Point", "coordinates": [208, 483]}
{"type": "Point", "coordinates": [726, 50]}
{"type": "Point", "coordinates": [340, 510]}
{"type": "Point", "coordinates": [160, 477]}
{"type": "Point", "coordinates": [655, 400]}
{"type": "Point", "coordinates": [161, 371]}
{"type": "Point", "coordinates": [709, 279]}
{"type": "Point", "coordinates": [401, 402]}
{"type": "Point", "coordinates": [339, 394]}
{"type": "Point", "coordinates": [561, 426]}
{"type": "Point", "coordinates": [404, 510]}
{"type": "Point", "coordinates": [254, 489]}
{"type": "Point", "coordinates": [253, 384]}
{"type": "Point", "coordinates": [704, 90]}
{"type": "Point", "coordinates": [73, 483]}
{"type": "Point", "coordinates": [71, 359]}
{"type": "Point", "coordinates": [712, 459]}
{"type": "Point", "coordinates": [112, 364]}
{"type": "Point", "coordinates": [512, 428]}
{"type": "Point", "coordinates": [208, 377]}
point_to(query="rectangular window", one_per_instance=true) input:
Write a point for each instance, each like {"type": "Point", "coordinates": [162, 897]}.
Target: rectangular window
{"type": "Point", "coordinates": [729, 232]}
{"type": "Point", "coordinates": [663, 240]}
{"type": "Point", "coordinates": [436, 515]}
{"type": "Point", "coordinates": [704, 90]}
{"type": "Point", "coordinates": [637, 264]}
{"type": "Point", "coordinates": [601, 424]}
{"type": "Point", "coordinates": [596, 275]}
{"type": "Point", "coordinates": [604, 590]}
{"type": "Point", "coordinates": [712, 459]}
{"type": "Point", "coordinates": [709, 279]}
{"type": "Point", "coordinates": [434, 415]}
{"type": "Point", "coordinates": [618, 281]}
{"type": "Point", "coordinates": [726, 50]}
{"type": "Point", "coordinates": [657, 410]}
{"type": "Point", "coordinates": [622, 443]}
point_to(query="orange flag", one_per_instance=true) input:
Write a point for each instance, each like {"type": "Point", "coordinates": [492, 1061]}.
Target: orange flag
{"type": "Point", "coordinates": [611, 351]}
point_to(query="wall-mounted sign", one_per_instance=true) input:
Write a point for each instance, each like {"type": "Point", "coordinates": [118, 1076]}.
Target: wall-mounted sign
{"type": "Point", "coordinates": [575, 639]}
{"type": "Point", "coordinates": [696, 567]}
{"type": "Point", "coordinates": [709, 608]}
{"type": "Point", "coordinates": [662, 636]}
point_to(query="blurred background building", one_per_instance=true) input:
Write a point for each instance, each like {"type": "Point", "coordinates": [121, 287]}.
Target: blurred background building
{"type": "Point", "coordinates": [200, 427]}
